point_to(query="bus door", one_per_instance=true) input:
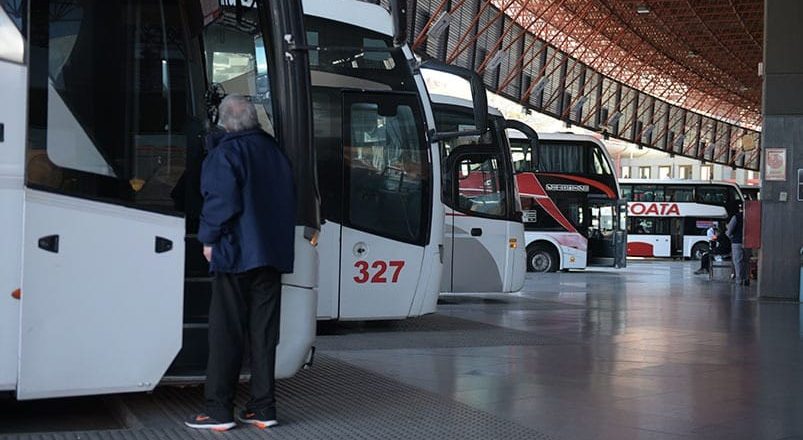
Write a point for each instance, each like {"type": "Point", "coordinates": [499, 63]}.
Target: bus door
{"type": "Point", "coordinates": [620, 235]}
{"type": "Point", "coordinates": [601, 233]}
{"type": "Point", "coordinates": [477, 249]}
{"type": "Point", "coordinates": [385, 206]}
{"type": "Point", "coordinates": [676, 228]}
{"type": "Point", "coordinates": [103, 242]}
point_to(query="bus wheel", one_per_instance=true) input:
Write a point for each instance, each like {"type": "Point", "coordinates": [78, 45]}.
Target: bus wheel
{"type": "Point", "coordinates": [541, 258]}
{"type": "Point", "coordinates": [698, 250]}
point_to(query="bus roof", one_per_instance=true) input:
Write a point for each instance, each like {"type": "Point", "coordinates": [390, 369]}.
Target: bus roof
{"type": "Point", "coordinates": [362, 14]}
{"type": "Point", "coordinates": [460, 102]}
{"type": "Point", "coordinates": [675, 182]}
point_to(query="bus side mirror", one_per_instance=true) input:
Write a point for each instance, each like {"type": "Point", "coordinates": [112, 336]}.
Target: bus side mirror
{"type": "Point", "coordinates": [531, 134]}
{"type": "Point", "coordinates": [478, 98]}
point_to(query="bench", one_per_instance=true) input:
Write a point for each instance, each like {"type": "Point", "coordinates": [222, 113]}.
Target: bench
{"type": "Point", "coordinates": [719, 262]}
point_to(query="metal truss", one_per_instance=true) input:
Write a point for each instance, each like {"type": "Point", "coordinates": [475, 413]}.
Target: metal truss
{"type": "Point", "coordinates": [676, 75]}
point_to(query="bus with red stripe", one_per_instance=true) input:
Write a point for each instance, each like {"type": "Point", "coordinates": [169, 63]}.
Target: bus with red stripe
{"type": "Point", "coordinates": [670, 217]}
{"type": "Point", "coordinates": [573, 214]}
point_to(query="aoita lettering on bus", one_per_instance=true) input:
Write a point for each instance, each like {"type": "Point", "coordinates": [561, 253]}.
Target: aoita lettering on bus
{"type": "Point", "coordinates": [654, 209]}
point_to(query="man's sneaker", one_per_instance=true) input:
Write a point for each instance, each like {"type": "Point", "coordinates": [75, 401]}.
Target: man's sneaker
{"type": "Point", "coordinates": [700, 271]}
{"type": "Point", "coordinates": [258, 420]}
{"type": "Point", "coordinates": [203, 421]}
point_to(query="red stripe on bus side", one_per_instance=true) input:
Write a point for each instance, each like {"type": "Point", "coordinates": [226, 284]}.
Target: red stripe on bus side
{"type": "Point", "coordinates": [529, 184]}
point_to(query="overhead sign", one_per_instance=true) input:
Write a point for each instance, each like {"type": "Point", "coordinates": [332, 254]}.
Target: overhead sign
{"type": "Point", "coordinates": [658, 209]}
{"type": "Point", "coordinates": [775, 164]}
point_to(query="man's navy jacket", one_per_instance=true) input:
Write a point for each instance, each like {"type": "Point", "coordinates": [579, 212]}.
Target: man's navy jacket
{"type": "Point", "coordinates": [248, 215]}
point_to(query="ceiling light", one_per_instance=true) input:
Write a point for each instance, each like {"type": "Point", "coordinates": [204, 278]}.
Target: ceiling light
{"type": "Point", "coordinates": [643, 9]}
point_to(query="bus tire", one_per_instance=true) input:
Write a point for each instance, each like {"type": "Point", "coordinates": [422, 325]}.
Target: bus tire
{"type": "Point", "coordinates": [542, 258]}
{"type": "Point", "coordinates": [698, 250]}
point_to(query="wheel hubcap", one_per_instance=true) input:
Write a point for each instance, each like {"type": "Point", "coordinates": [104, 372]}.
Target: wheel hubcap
{"type": "Point", "coordinates": [541, 262]}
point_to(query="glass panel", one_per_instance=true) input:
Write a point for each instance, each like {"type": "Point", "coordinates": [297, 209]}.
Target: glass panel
{"type": "Point", "coordinates": [679, 194]}
{"type": "Point", "coordinates": [685, 172]}
{"type": "Point", "coordinates": [16, 11]}
{"type": "Point", "coordinates": [627, 192]}
{"type": "Point", "coordinates": [236, 59]}
{"type": "Point", "coordinates": [521, 155]}
{"type": "Point", "coordinates": [712, 194]}
{"type": "Point", "coordinates": [648, 226]}
{"type": "Point", "coordinates": [625, 172]}
{"type": "Point", "coordinates": [602, 222]}
{"type": "Point", "coordinates": [109, 101]}
{"type": "Point", "coordinates": [12, 43]}
{"type": "Point", "coordinates": [601, 166]}
{"type": "Point", "coordinates": [643, 172]}
{"type": "Point", "coordinates": [664, 172]}
{"type": "Point", "coordinates": [388, 170]}
{"type": "Point", "coordinates": [356, 52]}
{"type": "Point", "coordinates": [480, 187]}
{"type": "Point", "coordinates": [555, 157]}
{"type": "Point", "coordinates": [648, 193]}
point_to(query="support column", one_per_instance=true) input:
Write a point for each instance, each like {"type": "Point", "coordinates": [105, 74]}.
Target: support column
{"type": "Point", "coordinates": [782, 221]}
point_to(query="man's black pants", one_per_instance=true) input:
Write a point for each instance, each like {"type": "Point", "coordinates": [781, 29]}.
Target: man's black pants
{"type": "Point", "coordinates": [244, 306]}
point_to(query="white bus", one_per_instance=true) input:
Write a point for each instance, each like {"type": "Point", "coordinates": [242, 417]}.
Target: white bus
{"type": "Point", "coordinates": [484, 241]}
{"type": "Point", "coordinates": [669, 218]}
{"type": "Point", "coordinates": [573, 214]}
{"type": "Point", "coordinates": [99, 178]}
{"type": "Point", "coordinates": [378, 166]}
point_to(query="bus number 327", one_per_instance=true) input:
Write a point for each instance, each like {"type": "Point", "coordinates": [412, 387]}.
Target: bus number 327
{"type": "Point", "coordinates": [379, 269]}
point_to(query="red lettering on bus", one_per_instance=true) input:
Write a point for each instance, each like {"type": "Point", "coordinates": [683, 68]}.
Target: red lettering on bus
{"type": "Point", "coordinates": [656, 209]}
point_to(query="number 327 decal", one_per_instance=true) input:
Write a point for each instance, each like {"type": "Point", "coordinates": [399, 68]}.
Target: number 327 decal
{"type": "Point", "coordinates": [376, 272]}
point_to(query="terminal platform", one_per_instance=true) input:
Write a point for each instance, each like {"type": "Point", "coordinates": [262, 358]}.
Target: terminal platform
{"type": "Point", "coordinates": [649, 352]}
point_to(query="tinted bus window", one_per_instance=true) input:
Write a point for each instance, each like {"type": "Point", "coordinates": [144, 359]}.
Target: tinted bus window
{"type": "Point", "coordinates": [679, 194]}
{"type": "Point", "coordinates": [627, 192]}
{"type": "Point", "coordinates": [648, 193]}
{"type": "Point", "coordinates": [712, 194]}
{"type": "Point", "coordinates": [109, 101]}
{"type": "Point", "coordinates": [648, 226]}
{"type": "Point", "coordinates": [561, 157]}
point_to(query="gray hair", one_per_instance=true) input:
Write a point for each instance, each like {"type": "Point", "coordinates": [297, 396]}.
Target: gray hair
{"type": "Point", "coordinates": [237, 113]}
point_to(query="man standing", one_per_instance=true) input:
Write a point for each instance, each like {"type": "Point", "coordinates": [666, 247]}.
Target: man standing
{"type": "Point", "coordinates": [735, 232]}
{"type": "Point", "coordinates": [247, 228]}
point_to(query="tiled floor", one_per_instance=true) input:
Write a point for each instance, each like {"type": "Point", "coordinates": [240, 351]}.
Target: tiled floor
{"type": "Point", "coordinates": [650, 352]}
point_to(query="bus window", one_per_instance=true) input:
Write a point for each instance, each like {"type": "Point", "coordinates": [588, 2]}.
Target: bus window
{"type": "Point", "coordinates": [562, 157]}
{"type": "Point", "coordinates": [387, 169]}
{"type": "Point", "coordinates": [602, 218]}
{"type": "Point", "coordinates": [235, 59]}
{"type": "Point", "coordinates": [107, 114]}
{"type": "Point", "coordinates": [600, 164]}
{"type": "Point", "coordinates": [627, 192]}
{"type": "Point", "coordinates": [480, 188]}
{"type": "Point", "coordinates": [648, 226]}
{"type": "Point", "coordinates": [521, 155]}
{"type": "Point", "coordinates": [648, 193]}
{"type": "Point", "coordinates": [680, 194]}
{"type": "Point", "coordinates": [712, 194]}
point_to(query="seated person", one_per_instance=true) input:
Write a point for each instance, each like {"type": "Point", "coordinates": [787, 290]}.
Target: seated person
{"type": "Point", "coordinates": [720, 246]}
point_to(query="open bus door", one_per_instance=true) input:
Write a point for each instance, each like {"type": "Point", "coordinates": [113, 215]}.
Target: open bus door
{"type": "Point", "coordinates": [103, 248]}
{"type": "Point", "coordinates": [602, 233]}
